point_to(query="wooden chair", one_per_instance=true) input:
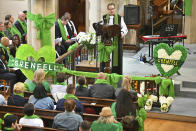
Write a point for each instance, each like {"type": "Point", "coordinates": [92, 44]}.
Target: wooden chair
{"type": "Point", "coordinates": [4, 84]}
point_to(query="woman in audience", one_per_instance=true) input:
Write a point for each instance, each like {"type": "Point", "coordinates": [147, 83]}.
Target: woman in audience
{"type": "Point", "coordinates": [40, 98]}
{"type": "Point", "coordinates": [10, 123]}
{"type": "Point", "coordinates": [70, 94]}
{"type": "Point", "coordinates": [2, 100]}
{"type": "Point", "coordinates": [126, 84]}
{"type": "Point", "coordinates": [38, 78]}
{"type": "Point", "coordinates": [15, 44]}
{"type": "Point", "coordinates": [124, 105]}
{"type": "Point", "coordinates": [59, 89]}
{"type": "Point", "coordinates": [30, 118]}
{"type": "Point", "coordinates": [17, 98]}
{"type": "Point", "coordinates": [8, 29]}
{"type": "Point", "coordinates": [106, 122]}
{"type": "Point", "coordinates": [68, 120]}
{"type": "Point", "coordinates": [82, 89]}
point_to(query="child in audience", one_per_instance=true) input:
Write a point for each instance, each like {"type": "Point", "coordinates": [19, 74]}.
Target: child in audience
{"type": "Point", "coordinates": [17, 98]}
{"type": "Point", "coordinates": [82, 89]}
{"type": "Point", "coordinates": [59, 89]}
{"type": "Point", "coordinates": [85, 126]}
{"type": "Point", "coordinates": [10, 123]}
{"type": "Point", "coordinates": [40, 98]}
{"type": "Point", "coordinates": [38, 78]}
{"type": "Point", "coordinates": [106, 122]}
{"type": "Point", "coordinates": [70, 94]}
{"type": "Point", "coordinates": [30, 118]}
{"type": "Point", "coordinates": [68, 120]}
{"type": "Point", "coordinates": [2, 100]}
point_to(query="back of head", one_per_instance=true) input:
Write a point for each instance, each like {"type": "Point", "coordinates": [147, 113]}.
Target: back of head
{"type": "Point", "coordinates": [39, 76]}
{"type": "Point", "coordinates": [85, 126]}
{"type": "Point", "coordinates": [124, 104]}
{"type": "Point", "coordinates": [70, 89]}
{"type": "Point", "coordinates": [39, 91]}
{"type": "Point", "coordinates": [7, 17]}
{"type": "Point", "coordinates": [101, 75]}
{"type": "Point", "coordinates": [5, 41]}
{"type": "Point", "coordinates": [106, 116]}
{"type": "Point", "coordinates": [81, 81]}
{"type": "Point", "coordinates": [19, 88]}
{"type": "Point", "coordinates": [9, 120]}
{"type": "Point", "coordinates": [126, 82]}
{"type": "Point", "coordinates": [129, 123]}
{"type": "Point", "coordinates": [64, 18]}
{"type": "Point", "coordinates": [60, 77]}
{"type": "Point", "coordinates": [29, 109]}
{"type": "Point", "coordinates": [69, 105]}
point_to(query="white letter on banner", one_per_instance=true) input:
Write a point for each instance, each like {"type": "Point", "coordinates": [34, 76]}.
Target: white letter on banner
{"type": "Point", "coordinates": [16, 63]}
{"type": "Point", "coordinates": [21, 63]}
{"type": "Point", "coordinates": [33, 64]}
{"type": "Point", "coordinates": [26, 65]}
{"type": "Point", "coordinates": [50, 67]}
{"type": "Point", "coordinates": [39, 65]}
{"type": "Point", "coordinates": [55, 67]}
{"type": "Point", "coordinates": [45, 67]}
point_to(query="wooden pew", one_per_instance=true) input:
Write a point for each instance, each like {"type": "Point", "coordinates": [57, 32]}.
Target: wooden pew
{"type": "Point", "coordinates": [32, 128]}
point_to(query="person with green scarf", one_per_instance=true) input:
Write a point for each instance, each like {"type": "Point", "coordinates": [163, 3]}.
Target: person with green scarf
{"type": "Point", "coordinates": [101, 88]}
{"type": "Point", "coordinates": [30, 119]}
{"type": "Point", "coordinates": [2, 34]}
{"type": "Point", "coordinates": [10, 123]}
{"type": "Point", "coordinates": [17, 98]}
{"type": "Point", "coordinates": [70, 95]}
{"type": "Point", "coordinates": [21, 25]}
{"type": "Point", "coordinates": [113, 18]}
{"type": "Point", "coordinates": [82, 89]}
{"type": "Point", "coordinates": [8, 30]}
{"type": "Point", "coordinates": [62, 42]}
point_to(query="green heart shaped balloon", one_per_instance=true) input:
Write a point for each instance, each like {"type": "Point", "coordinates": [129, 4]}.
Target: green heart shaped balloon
{"type": "Point", "coordinates": [25, 51]}
{"type": "Point", "coordinates": [168, 60]}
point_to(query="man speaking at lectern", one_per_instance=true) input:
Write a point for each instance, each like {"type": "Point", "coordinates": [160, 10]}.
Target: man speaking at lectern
{"type": "Point", "coordinates": [117, 55]}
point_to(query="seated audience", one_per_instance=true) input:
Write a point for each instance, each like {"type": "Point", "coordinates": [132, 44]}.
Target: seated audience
{"type": "Point", "coordinates": [8, 32]}
{"type": "Point", "coordinates": [14, 46]}
{"type": "Point", "coordinates": [70, 94]}
{"type": "Point", "coordinates": [17, 99]}
{"type": "Point", "coordinates": [2, 34]}
{"type": "Point", "coordinates": [101, 88]}
{"type": "Point", "coordinates": [106, 122]}
{"type": "Point", "coordinates": [129, 123]}
{"type": "Point", "coordinates": [6, 73]}
{"type": "Point", "coordinates": [40, 98]}
{"type": "Point", "coordinates": [38, 78]}
{"type": "Point", "coordinates": [85, 126]}
{"type": "Point", "coordinates": [124, 105]}
{"type": "Point", "coordinates": [30, 119]}
{"type": "Point", "coordinates": [59, 89]}
{"type": "Point", "coordinates": [10, 123]}
{"type": "Point", "coordinates": [2, 100]}
{"type": "Point", "coordinates": [68, 120]}
{"type": "Point", "coordinates": [82, 89]}
{"type": "Point", "coordinates": [126, 84]}
{"type": "Point", "coordinates": [9, 18]}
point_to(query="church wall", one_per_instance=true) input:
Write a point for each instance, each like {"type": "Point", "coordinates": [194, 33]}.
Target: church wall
{"type": "Point", "coordinates": [12, 7]}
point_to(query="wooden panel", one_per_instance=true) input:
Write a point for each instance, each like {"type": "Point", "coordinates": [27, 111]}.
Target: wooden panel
{"type": "Point", "coordinates": [167, 125]}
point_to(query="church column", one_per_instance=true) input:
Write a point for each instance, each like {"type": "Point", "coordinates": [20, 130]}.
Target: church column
{"type": "Point", "coordinates": [45, 8]}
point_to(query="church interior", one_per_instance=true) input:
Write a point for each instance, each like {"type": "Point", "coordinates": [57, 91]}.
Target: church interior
{"type": "Point", "coordinates": [92, 65]}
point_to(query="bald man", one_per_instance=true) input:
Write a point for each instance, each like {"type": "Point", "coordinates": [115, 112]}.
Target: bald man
{"type": "Point", "coordinates": [21, 26]}
{"type": "Point", "coordinates": [101, 88]}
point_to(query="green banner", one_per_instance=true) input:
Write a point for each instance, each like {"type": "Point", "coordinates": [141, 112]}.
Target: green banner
{"type": "Point", "coordinates": [188, 7]}
{"type": "Point", "coordinates": [31, 65]}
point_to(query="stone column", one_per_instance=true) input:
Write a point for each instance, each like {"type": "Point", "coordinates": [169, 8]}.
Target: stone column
{"type": "Point", "coordinates": [45, 8]}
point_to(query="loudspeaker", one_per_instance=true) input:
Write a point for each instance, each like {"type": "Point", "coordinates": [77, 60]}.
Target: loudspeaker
{"type": "Point", "coordinates": [132, 14]}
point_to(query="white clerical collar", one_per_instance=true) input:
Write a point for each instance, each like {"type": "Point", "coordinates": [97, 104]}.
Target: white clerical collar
{"type": "Point", "coordinates": [111, 16]}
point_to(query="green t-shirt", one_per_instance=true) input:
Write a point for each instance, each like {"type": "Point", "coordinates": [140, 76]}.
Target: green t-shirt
{"type": "Point", "coordinates": [97, 126]}
{"type": "Point", "coordinates": [31, 86]}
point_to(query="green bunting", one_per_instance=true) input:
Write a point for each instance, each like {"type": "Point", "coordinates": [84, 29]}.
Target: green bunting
{"type": "Point", "coordinates": [62, 30]}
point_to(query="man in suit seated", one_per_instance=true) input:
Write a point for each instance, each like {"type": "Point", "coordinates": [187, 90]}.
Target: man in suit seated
{"type": "Point", "coordinates": [101, 88]}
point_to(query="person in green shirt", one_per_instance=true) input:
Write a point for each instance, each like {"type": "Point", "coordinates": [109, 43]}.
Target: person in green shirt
{"type": "Point", "coordinates": [106, 122]}
{"type": "Point", "coordinates": [38, 78]}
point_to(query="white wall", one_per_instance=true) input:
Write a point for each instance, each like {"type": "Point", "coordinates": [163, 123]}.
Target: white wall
{"type": "Point", "coordinates": [11, 7]}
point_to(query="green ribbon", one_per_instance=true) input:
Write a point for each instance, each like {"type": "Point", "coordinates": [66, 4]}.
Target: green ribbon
{"type": "Point", "coordinates": [43, 25]}
{"type": "Point", "coordinates": [8, 128]}
{"type": "Point", "coordinates": [10, 31]}
{"type": "Point", "coordinates": [19, 94]}
{"type": "Point", "coordinates": [23, 25]}
{"type": "Point", "coordinates": [7, 114]}
{"type": "Point", "coordinates": [142, 101]}
{"type": "Point", "coordinates": [167, 88]}
{"type": "Point", "coordinates": [62, 30]}
{"type": "Point", "coordinates": [31, 117]}
{"type": "Point", "coordinates": [188, 7]}
{"type": "Point", "coordinates": [1, 32]}
{"type": "Point", "coordinates": [140, 117]}
{"type": "Point", "coordinates": [67, 96]}
{"type": "Point", "coordinates": [115, 41]}
{"type": "Point", "coordinates": [7, 50]}
{"type": "Point", "coordinates": [72, 47]}
{"type": "Point", "coordinates": [101, 81]}
{"type": "Point", "coordinates": [16, 31]}
{"type": "Point", "coordinates": [104, 52]}
{"type": "Point", "coordinates": [84, 86]}
{"type": "Point", "coordinates": [1, 121]}
{"type": "Point", "coordinates": [113, 79]}
{"type": "Point", "coordinates": [113, 108]}
{"type": "Point", "coordinates": [61, 83]}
